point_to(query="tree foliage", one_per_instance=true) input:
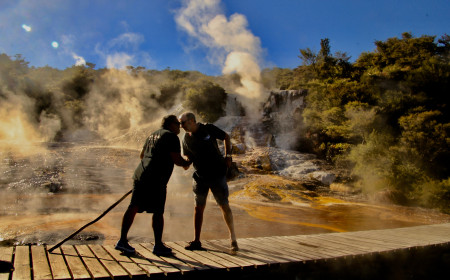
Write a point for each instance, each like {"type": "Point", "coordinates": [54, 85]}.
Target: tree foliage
{"type": "Point", "coordinates": [390, 106]}
{"type": "Point", "coordinates": [207, 99]}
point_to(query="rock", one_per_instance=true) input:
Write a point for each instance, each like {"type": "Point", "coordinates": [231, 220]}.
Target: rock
{"type": "Point", "coordinates": [238, 149]}
{"type": "Point", "coordinates": [325, 177]}
{"type": "Point", "coordinates": [263, 163]}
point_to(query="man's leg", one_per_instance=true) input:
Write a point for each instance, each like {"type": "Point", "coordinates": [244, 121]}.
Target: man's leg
{"type": "Point", "coordinates": [198, 221]}
{"type": "Point", "coordinates": [228, 217]}
{"type": "Point", "coordinates": [201, 193]}
{"type": "Point", "coordinates": [127, 221]}
{"type": "Point", "coordinates": [158, 227]}
{"type": "Point", "coordinates": [128, 218]}
{"type": "Point", "coordinates": [221, 193]}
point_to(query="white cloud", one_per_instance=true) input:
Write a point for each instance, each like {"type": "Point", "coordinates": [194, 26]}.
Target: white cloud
{"type": "Point", "coordinates": [127, 40]}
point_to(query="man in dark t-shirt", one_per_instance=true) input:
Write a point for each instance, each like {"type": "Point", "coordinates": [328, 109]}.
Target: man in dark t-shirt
{"type": "Point", "coordinates": [158, 156]}
{"type": "Point", "coordinates": [200, 147]}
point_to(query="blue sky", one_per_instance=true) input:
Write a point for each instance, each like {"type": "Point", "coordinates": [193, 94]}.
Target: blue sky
{"type": "Point", "coordinates": [151, 33]}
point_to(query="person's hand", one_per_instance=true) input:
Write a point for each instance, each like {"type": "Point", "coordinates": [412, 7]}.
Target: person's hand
{"type": "Point", "coordinates": [186, 167]}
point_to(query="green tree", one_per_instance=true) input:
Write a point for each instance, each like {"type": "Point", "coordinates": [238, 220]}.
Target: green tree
{"type": "Point", "coordinates": [426, 138]}
{"type": "Point", "coordinates": [207, 99]}
{"type": "Point", "coordinates": [324, 65]}
{"type": "Point", "coordinates": [168, 94]}
{"type": "Point", "coordinates": [387, 114]}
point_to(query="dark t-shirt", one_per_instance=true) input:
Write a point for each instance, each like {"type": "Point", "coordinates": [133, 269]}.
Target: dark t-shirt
{"type": "Point", "coordinates": [201, 147]}
{"type": "Point", "coordinates": [157, 164]}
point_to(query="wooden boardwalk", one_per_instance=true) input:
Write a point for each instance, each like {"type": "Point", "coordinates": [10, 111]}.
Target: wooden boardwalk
{"type": "Point", "coordinates": [256, 255]}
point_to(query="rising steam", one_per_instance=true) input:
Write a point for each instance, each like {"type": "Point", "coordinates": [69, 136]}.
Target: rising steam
{"type": "Point", "coordinates": [18, 130]}
{"type": "Point", "coordinates": [232, 45]}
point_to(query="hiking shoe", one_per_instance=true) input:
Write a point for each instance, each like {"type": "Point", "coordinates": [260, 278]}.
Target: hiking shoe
{"type": "Point", "coordinates": [124, 247]}
{"type": "Point", "coordinates": [162, 250]}
{"type": "Point", "coordinates": [195, 245]}
{"type": "Point", "coordinates": [234, 246]}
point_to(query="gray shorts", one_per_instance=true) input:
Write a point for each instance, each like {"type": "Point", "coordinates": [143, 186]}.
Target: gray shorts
{"type": "Point", "coordinates": [219, 189]}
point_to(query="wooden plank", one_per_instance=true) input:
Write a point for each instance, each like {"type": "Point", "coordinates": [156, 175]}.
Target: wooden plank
{"type": "Point", "coordinates": [420, 237]}
{"type": "Point", "coordinates": [274, 246]}
{"type": "Point", "coordinates": [215, 245]}
{"type": "Point", "coordinates": [331, 241]}
{"type": "Point", "coordinates": [180, 266]}
{"type": "Point", "coordinates": [365, 245]}
{"type": "Point", "coordinates": [383, 243]}
{"type": "Point", "coordinates": [182, 257]}
{"type": "Point", "coordinates": [342, 246]}
{"type": "Point", "coordinates": [308, 252]}
{"type": "Point", "coordinates": [401, 240]}
{"type": "Point", "coordinates": [266, 251]}
{"type": "Point", "coordinates": [74, 262]}
{"type": "Point", "coordinates": [330, 246]}
{"type": "Point", "coordinates": [315, 247]}
{"type": "Point", "coordinates": [226, 254]}
{"type": "Point", "coordinates": [94, 266]}
{"type": "Point", "coordinates": [58, 265]}
{"type": "Point", "coordinates": [145, 263]}
{"type": "Point", "coordinates": [415, 238]}
{"type": "Point", "coordinates": [132, 268]}
{"type": "Point", "coordinates": [41, 267]}
{"type": "Point", "coordinates": [285, 244]}
{"type": "Point", "coordinates": [399, 243]}
{"type": "Point", "coordinates": [22, 264]}
{"type": "Point", "coordinates": [195, 256]}
{"type": "Point", "coordinates": [430, 230]}
{"type": "Point", "coordinates": [260, 253]}
{"type": "Point", "coordinates": [217, 259]}
{"type": "Point", "coordinates": [294, 248]}
{"type": "Point", "coordinates": [6, 254]}
{"type": "Point", "coordinates": [249, 255]}
{"type": "Point", "coordinates": [108, 262]}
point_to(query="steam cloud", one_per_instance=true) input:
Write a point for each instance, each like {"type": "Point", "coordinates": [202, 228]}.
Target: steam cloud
{"type": "Point", "coordinates": [79, 60]}
{"type": "Point", "coordinates": [232, 45]}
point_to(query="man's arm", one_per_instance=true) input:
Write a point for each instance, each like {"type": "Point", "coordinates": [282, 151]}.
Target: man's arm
{"type": "Point", "coordinates": [142, 153]}
{"type": "Point", "coordinates": [227, 142]}
{"type": "Point", "coordinates": [179, 160]}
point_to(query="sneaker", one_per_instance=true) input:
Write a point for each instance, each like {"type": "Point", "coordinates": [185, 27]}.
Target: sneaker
{"type": "Point", "coordinates": [234, 246]}
{"type": "Point", "coordinates": [124, 247]}
{"type": "Point", "coordinates": [162, 250]}
{"type": "Point", "coordinates": [195, 245]}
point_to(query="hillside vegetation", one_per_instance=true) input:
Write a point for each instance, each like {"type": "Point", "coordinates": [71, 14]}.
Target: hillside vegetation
{"type": "Point", "coordinates": [385, 116]}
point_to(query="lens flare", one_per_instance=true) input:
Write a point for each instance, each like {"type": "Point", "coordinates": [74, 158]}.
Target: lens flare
{"type": "Point", "coordinates": [55, 44]}
{"type": "Point", "coordinates": [27, 28]}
